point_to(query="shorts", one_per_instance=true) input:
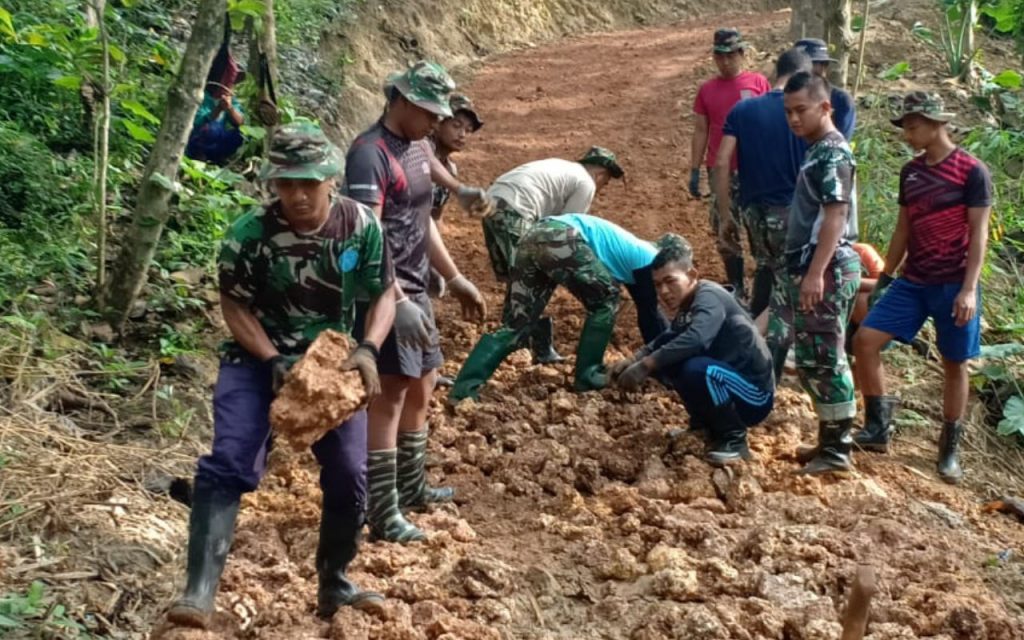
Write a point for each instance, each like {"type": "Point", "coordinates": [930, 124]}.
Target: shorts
{"type": "Point", "coordinates": [402, 360]}
{"type": "Point", "coordinates": [904, 307]}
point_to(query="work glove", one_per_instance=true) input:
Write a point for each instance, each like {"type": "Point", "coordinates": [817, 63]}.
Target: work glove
{"type": "Point", "coordinates": [474, 308]}
{"type": "Point", "coordinates": [633, 376]}
{"type": "Point", "coordinates": [474, 200]}
{"type": "Point", "coordinates": [279, 366]}
{"type": "Point", "coordinates": [364, 359]}
{"type": "Point", "coordinates": [412, 326]}
{"type": "Point", "coordinates": [616, 368]}
{"type": "Point", "coordinates": [883, 283]}
{"type": "Point", "coordinates": [695, 183]}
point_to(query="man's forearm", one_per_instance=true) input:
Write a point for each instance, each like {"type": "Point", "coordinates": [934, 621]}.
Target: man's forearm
{"type": "Point", "coordinates": [440, 259]}
{"type": "Point", "coordinates": [976, 250]}
{"type": "Point", "coordinates": [698, 146]}
{"type": "Point", "coordinates": [897, 246]}
{"type": "Point", "coordinates": [721, 185]}
{"type": "Point", "coordinates": [380, 316]}
{"type": "Point", "coordinates": [246, 329]}
{"type": "Point", "coordinates": [828, 238]}
{"type": "Point", "coordinates": [441, 176]}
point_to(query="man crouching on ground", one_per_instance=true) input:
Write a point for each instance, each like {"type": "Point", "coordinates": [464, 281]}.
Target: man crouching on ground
{"type": "Point", "coordinates": [712, 355]}
{"type": "Point", "coordinates": [288, 271]}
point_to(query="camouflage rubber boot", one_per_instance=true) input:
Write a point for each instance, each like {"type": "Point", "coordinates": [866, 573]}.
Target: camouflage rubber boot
{"type": "Point", "coordinates": [338, 546]}
{"type": "Point", "coordinates": [412, 474]}
{"type": "Point", "coordinates": [385, 520]}
{"type": "Point", "coordinates": [948, 464]}
{"type": "Point", "coordinates": [486, 356]}
{"type": "Point", "coordinates": [834, 449]}
{"type": "Point", "coordinates": [878, 423]}
{"type": "Point", "coordinates": [211, 528]}
{"type": "Point", "coordinates": [594, 338]}
{"type": "Point", "coordinates": [542, 342]}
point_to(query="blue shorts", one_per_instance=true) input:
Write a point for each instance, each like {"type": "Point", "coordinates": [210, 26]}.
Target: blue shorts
{"type": "Point", "coordinates": [904, 307]}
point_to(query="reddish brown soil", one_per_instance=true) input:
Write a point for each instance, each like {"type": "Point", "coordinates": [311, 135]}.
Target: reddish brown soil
{"type": "Point", "coordinates": [577, 516]}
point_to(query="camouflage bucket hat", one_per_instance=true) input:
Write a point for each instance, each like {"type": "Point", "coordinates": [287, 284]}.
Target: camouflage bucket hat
{"type": "Point", "coordinates": [301, 151]}
{"type": "Point", "coordinates": [389, 83]}
{"type": "Point", "coordinates": [815, 48]}
{"type": "Point", "coordinates": [923, 104]}
{"type": "Point", "coordinates": [728, 41]}
{"type": "Point", "coordinates": [428, 86]}
{"type": "Point", "coordinates": [461, 103]}
{"type": "Point", "coordinates": [674, 241]}
{"type": "Point", "coordinates": [603, 158]}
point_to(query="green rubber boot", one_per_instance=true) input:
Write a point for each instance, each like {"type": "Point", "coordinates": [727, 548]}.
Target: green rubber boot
{"type": "Point", "coordinates": [597, 332]}
{"type": "Point", "coordinates": [413, 490]}
{"type": "Point", "coordinates": [481, 363]}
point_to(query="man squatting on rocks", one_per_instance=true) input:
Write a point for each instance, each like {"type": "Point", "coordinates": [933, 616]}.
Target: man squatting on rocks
{"type": "Point", "coordinates": [768, 155]}
{"type": "Point", "coordinates": [331, 251]}
{"type": "Point", "coordinates": [714, 100]}
{"type": "Point", "coordinates": [590, 257]}
{"type": "Point", "coordinates": [389, 169]}
{"type": "Point", "coordinates": [938, 246]}
{"type": "Point", "coordinates": [823, 271]}
{"type": "Point", "coordinates": [712, 355]}
{"type": "Point", "coordinates": [532, 192]}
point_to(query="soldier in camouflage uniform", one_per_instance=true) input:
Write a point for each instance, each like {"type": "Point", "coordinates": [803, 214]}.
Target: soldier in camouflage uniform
{"type": "Point", "coordinates": [288, 271]}
{"type": "Point", "coordinates": [590, 257]}
{"type": "Point", "coordinates": [529, 193]}
{"type": "Point", "coordinates": [823, 271]}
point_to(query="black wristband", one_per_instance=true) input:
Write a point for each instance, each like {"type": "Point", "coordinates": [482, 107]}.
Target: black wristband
{"type": "Point", "coordinates": [372, 348]}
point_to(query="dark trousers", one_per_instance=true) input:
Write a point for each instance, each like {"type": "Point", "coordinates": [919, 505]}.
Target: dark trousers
{"type": "Point", "coordinates": [704, 384]}
{"type": "Point", "coordinates": [242, 440]}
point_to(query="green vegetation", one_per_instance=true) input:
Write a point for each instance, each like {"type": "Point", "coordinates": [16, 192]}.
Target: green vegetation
{"type": "Point", "coordinates": [38, 615]}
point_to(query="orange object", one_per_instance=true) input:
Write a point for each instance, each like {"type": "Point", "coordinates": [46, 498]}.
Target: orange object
{"type": "Point", "coordinates": [873, 263]}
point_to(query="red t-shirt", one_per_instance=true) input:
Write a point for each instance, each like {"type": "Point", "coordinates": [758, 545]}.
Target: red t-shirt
{"type": "Point", "coordinates": [716, 98]}
{"type": "Point", "coordinates": [937, 198]}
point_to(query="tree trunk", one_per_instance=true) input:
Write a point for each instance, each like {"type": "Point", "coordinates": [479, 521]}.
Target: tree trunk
{"type": "Point", "coordinates": [101, 155]}
{"type": "Point", "coordinates": [807, 19]}
{"type": "Point", "coordinates": [160, 175]}
{"type": "Point", "coordinates": [839, 36]}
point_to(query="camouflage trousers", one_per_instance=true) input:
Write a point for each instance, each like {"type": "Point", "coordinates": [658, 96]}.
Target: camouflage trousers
{"type": "Point", "coordinates": [820, 337]}
{"type": "Point", "coordinates": [503, 230]}
{"type": "Point", "coordinates": [550, 254]}
{"type": "Point", "coordinates": [731, 245]}
{"type": "Point", "coordinates": [766, 225]}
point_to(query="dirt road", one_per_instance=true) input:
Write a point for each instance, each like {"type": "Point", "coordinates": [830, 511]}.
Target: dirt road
{"type": "Point", "coordinates": [577, 516]}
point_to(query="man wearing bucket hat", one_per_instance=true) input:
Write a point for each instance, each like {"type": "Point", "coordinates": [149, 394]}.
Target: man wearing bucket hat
{"type": "Point", "coordinates": [533, 191]}
{"type": "Point", "coordinates": [589, 256]}
{"type": "Point", "coordinates": [715, 98]}
{"type": "Point", "coordinates": [844, 113]}
{"type": "Point", "coordinates": [389, 169]}
{"type": "Point", "coordinates": [938, 246]}
{"type": "Point", "coordinates": [287, 271]}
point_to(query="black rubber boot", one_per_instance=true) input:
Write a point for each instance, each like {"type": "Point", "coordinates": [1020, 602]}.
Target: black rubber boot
{"type": "Point", "coordinates": [727, 437]}
{"type": "Point", "coordinates": [878, 423]}
{"type": "Point", "coordinates": [949, 454]}
{"type": "Point", "coordinates": [734, 272]}
{"type": "Point", "coordinates": [542, 342]}
{"type": "Point", "coordinates": [779, 354]}
{"type": "Point", "coordinates": [211, 528]}
{"type": "Point", "coordinates": [339, 543]}
{"type": "Point", "coordinates": [834, 449]}
{"type": "Point", "coordinates": [761, 296]}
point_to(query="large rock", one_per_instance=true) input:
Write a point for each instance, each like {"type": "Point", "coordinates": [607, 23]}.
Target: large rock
{"type": "Point", "coordinates": [317, 396]}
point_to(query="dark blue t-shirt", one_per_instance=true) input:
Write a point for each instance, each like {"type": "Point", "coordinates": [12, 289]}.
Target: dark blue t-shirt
{"type": "Point", "coordinates": [769, 154]}
{"type": "Point", "coordinates": [844, 115]}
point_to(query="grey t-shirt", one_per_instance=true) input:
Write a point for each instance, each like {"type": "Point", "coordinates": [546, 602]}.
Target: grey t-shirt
{"type": "Point", "coordinates": [714, 326]}
{"type": "Point", "coordinates": [827, 176]}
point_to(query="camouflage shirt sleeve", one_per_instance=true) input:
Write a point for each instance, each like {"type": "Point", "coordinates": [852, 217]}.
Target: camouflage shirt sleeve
{"type": "Point", "coordinates": [375, 272]}
{"type": "Point", "coordinates": [237, 263]}
{"type": "Point", "coordinates": [835, 171]}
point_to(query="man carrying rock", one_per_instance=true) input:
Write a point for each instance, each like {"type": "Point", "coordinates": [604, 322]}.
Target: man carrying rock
{"type": "Point", "coordinates": [529, 193]}
{"type": "Point", "coordinates": [388, 168]}
{"type": "Point", "coordinates": [769, 156]}
{"type": "Point", "coordinates": [844, 113]}
{"type": "Point", "coordinates": [590, 257]}
{"type": "Point", "coordinates": [715, 98]}
{"type": "Point", "coordinates": [287, 272]}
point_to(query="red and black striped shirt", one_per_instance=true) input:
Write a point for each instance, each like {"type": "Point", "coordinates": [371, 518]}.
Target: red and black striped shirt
{"type": "Point", "coordinates": [937, 198]}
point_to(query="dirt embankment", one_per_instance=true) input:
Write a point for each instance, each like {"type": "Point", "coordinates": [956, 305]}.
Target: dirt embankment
{"type": "Point", "coordinates": [386, 36]}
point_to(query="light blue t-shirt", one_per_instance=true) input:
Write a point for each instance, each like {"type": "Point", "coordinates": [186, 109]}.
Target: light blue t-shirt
{"type": "Point", "coordinates": [616, 248]}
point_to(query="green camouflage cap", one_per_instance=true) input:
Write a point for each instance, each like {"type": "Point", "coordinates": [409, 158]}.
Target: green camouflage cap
{"type": "Point", "coordinates": [923, 104]}
{"type": "Point", "coordinates": [728, 40]}
{"type": "Point", "coordinates": [428, 86]}
{"type": "Point", "coordinates": [675, 241]}
{"type": "Point", "coordinates": [603, 158]}
{"type": "Point", "coordinates": [461, 102]}
{"type": "Point", "coordinates": [301, 151]}
{"type": "Point", "coordinates": [389, 83]}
